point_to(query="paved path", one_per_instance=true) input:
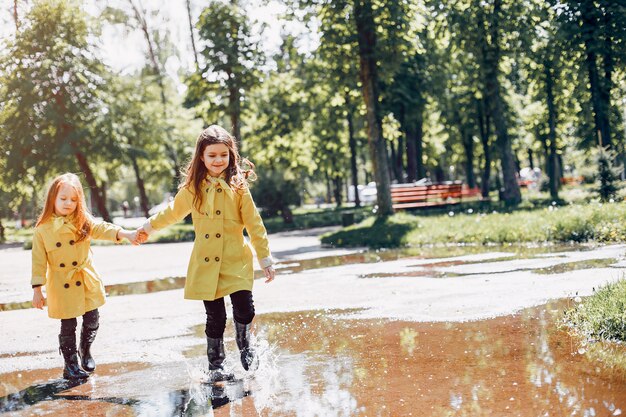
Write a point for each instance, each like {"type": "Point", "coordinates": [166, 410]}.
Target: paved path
{"type": "Point", "coordinates": [126, 263]}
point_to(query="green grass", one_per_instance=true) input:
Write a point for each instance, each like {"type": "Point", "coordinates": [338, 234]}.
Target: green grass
{"type": "Point", "coordinates": [599, 321]}
{"type": "Point", "coordinates": [578, 223]}
{"type": "Point", "coordinates": [602, 316]}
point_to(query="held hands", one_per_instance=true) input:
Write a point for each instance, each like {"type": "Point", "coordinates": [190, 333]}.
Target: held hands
{"type": "Point", "coordinates": [269, 274]}
{"type": "Point", "coordinates": [141, 236]}
{"type": "Point", "coordinates": [127, 234]}
{"type": "Point", "coordinates": [38, 298]}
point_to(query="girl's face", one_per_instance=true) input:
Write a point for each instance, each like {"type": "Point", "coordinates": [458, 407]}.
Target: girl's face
{"type": "Point", "coordinates": [215, 158]}
{"type": "Point", "coordinates": [66, 201]}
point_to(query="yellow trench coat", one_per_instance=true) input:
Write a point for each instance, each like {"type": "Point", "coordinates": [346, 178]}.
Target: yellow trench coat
{"type": "Point", "coordinates": [221, 260]}
{"type": "Point", "coordinates": [65, 267]}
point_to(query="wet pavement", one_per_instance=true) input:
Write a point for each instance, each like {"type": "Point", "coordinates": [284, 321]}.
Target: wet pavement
{"type": "Point", "coordinates": [460, 331]}
{"type": "Point", "coordinates": [314, 363]}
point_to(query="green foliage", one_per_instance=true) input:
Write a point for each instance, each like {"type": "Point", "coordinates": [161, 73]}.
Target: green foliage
{"type": "Point", "coordinates": [231, 57]}
{"type": "Point", "coordinates": [274, 193]}
{"type": "Point", "coordinates": [601, 316]}
{"type": "Point", "coordinates": [608, 174]}
{"type": "Point", "coordinates": [50, 87]}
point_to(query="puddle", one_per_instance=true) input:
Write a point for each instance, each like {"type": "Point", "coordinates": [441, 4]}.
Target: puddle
{"type": "Point", "coordinates": [320, 364]}
{"type": "Point", "coordinates": [574, 266]}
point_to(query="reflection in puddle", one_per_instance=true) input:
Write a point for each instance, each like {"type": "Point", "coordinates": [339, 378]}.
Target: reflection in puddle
{"type": "Point", "coordinates": [321, 365]}
{"type": "Point", "coordinates": [574, 266]}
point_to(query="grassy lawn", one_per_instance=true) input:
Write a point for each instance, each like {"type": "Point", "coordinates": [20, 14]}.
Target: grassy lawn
{"type": "Point", "coordinates": [604, 223]}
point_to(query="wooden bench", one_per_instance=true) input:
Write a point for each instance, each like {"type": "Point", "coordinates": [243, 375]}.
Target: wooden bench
{"type": "Point", "coordinates": [571, 180]}
{"type": "Point", "coordinates": [404, 196]}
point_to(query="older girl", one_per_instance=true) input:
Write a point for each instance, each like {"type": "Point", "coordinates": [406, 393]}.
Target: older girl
{"type": "Point", "coordinates": [215, 192]}
{"type": "Point", "coordinates": [62, 262]}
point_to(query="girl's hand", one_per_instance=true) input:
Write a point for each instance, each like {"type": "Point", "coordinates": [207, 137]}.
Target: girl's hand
{"type": "Point", "coordinates": [269, 274]}
{"type": "Point", "coordinates": [38, 298]}
{"type": "Point", "coordinates": [141, 236]}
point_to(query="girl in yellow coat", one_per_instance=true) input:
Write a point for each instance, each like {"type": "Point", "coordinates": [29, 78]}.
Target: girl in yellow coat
{"type": "Point", "coordinates": [62, 262]}
{"type": "Point", "coordinates": [215, 192]}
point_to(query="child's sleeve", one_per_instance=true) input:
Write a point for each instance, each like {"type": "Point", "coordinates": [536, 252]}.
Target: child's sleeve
{"type": "Point", "coordinates": [256, 230]}
{"type": "Point", "coordinates": [40, 260]}
{"type": "Point", "coordinates": [105, 231]}
{"type": "Point", "coordinates": [173, 213]}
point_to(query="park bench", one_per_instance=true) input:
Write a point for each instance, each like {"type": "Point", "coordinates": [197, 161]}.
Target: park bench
{"type": "Point", "coordinates": [571, 180]}
{"type": "Point", "coordinates": [406, 196]}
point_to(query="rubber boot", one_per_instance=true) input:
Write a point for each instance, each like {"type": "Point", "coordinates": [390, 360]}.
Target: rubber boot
{"type": "Point", "coordinates": [216, 355]}
{"type": "Point", "coordinates": [87, 336]}
{"type": "Point", "coordinates": [72, 368]}
{"type": "Point", "coordinates": [242, 336]}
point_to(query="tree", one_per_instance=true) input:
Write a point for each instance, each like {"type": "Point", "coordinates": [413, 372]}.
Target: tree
{"type": "Point", "coordinates": [368, 73]}
{"type": "Point", "coordinates": [231, 58]}
{"type": "Point", "coordinates": [492, 21]}
{"type": "Point", "coordinates": [50, 97]}
{"type": "Point", "coordinates": [599, 28]}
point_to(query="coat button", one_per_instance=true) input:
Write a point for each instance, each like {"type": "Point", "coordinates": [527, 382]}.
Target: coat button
{"type": "Point", "coordinates": [78, 283]}
{"type": "Point", "coordinates": [74, 263]}
{"type": "Point", "coordinates": [62, 265]}
{"type": "Point", "coordinates": [206, 236]}
{"type": "Point", "coordinates": [72, 242]}
{"type": "Point", "coordinates": [207, 190]}
{"type": "Point", "coordinates": [219, 190]}
{"type": "Point", "coordinates": [58, 244]}
{"type": "Point", "coordinates": [217, 259]}
{"type": "Point", "coordinates": [218, 235]}
{"type": "Point", "coordinates": [206, 259]}
{"type": "Point", "coordinates": [218, 212]}
{"type": "Point", "coordinates": [67, 285]}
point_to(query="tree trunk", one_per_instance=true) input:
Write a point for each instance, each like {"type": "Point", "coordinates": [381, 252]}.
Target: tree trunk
{"type": "Point", "coordinates": [352, 144]}
{"type": "Point", "coordinates": [193, 38]}
{"type": "Point", "coordinates": [329, 189]}
{"type": "Point", "coordinates": [552, 162]}
{"type": "Point", "coordinates": [400, 160]}
{"type": "Point", "coordinates": [96, 191]}
{"type": "Point", "coordinates": [366, 31]}
{"type": "Point", "coordinates": [158, 73]}
{"type": "Point", "coordinates": [491, 61]}
{"type": "Point", "coordinates": [600, 107]}
{"type": "Point", "coordinates": [143, 198]}
{"type": "Point", "coordinates": [468, 146]}
{"type": "Point", "coordinates": [412, 127]}
{"type": "Point", "coordinates": [16, 18]}
{"type": "Point", "coordinates": [2, 234]}
{"type": "Point", "coordinates": [484, 126]}
{"type": "Point", "coordinates": [531, 159]}
{"type": "Point", "coordinates": [337, 184]}
{"type": "Point", "coordinates": [235, 113]}
{"type": "Point", "coordinates": [393, 167]}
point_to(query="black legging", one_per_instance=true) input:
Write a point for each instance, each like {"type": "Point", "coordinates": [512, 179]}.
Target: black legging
{"type": "Point", "coordinates": [91, 320]}
{"type": "Point", "coordinates": [243, 312]}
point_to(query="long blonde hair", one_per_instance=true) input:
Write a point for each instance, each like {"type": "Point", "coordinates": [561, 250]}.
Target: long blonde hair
{"type": "Point", "coordinates": [195, 171]}
{"type": "Point", "coordinates": [80, 218]}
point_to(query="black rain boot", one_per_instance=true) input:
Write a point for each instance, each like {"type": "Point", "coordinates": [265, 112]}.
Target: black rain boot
{"type": "Point", "coordinates": [72, 368]}
{"type": "Point", "coordinates": [215, 353]}
{"type": "Point", "coordinates": [243, 343]}
{"type": "Point", "coordinates": [87, 336]}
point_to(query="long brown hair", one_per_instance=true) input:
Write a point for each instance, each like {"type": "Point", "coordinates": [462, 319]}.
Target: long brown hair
{"type": "Point", "coordinates": [80, 218]}
{"type": "Point", "coordinates": [195, 171]}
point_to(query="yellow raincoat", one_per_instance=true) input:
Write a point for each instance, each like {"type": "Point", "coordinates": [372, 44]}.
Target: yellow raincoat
{"type": "Point", "coordinates": [64, 266]}
{"type": "Point", "coordinates": [221, 260]}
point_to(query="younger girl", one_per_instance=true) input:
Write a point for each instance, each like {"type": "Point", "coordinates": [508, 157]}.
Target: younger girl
{"type": "Point", "coordinates": [215, 192]}
{"type": "Point", "coordinates": [62, 262]}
